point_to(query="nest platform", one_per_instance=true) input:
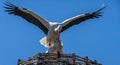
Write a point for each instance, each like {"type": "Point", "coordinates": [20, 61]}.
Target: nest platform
{"type": "Point", "coordinates": [57, 59]}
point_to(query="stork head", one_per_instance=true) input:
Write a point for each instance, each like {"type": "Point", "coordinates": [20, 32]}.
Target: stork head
{"type": "Point", "coordinates": [58, 28]}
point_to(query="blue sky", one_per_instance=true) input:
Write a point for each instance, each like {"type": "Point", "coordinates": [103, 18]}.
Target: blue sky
{"type": "Point", "coordinates": [97, 38]}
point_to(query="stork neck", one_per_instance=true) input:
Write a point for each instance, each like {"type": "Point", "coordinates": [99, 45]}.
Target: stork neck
{"type": "Point", "coordinates": [58, 35]}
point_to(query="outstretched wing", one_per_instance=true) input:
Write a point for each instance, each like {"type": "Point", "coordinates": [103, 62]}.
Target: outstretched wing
{"type": "Point", "coordinates": [28, 15]}
{"type": "Point", "coordinates": [80, 18]}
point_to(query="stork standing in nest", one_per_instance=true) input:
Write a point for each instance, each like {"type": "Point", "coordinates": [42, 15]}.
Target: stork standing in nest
{"type": "Point", "coordinates": [51, 29]}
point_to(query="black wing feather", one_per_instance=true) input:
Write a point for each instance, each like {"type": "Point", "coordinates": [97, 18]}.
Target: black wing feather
{"type": "Point", "coordinates": [81, 18]}
{"type": "Point", "coordinates": [26, 14]}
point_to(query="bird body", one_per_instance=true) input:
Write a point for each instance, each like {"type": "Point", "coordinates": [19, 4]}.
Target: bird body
{"type": "Point", "coordinates": [52, 35]}
{"type": "Point", "coordinates": [52, 30]}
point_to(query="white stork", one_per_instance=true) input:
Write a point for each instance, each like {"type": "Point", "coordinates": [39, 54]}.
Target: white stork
{"type": "Point", "coordinates": [52, 30]}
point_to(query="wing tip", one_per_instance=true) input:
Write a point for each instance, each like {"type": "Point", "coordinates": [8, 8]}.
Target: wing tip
{"type": "Point", "coordinates": [9, 7]}
{"type": "Point", "coordinates": [99, 12]}
{"type": "Point", "coordinates": [101, 8]}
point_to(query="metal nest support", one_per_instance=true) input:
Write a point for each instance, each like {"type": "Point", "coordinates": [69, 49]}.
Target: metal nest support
{"type": "Point", "coordinates": [57, 59]}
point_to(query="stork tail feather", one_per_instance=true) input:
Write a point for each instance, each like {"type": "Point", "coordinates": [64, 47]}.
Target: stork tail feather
{"type": "Point", "coordinates": [45, 43]}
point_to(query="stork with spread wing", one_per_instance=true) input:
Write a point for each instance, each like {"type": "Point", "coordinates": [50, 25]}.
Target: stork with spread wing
{"type": "Point", "coordinates": [52, 30]}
